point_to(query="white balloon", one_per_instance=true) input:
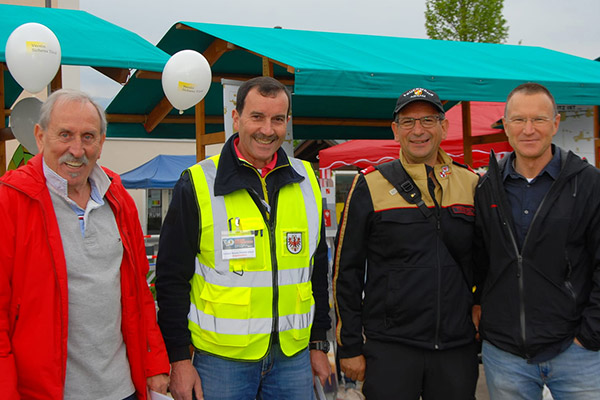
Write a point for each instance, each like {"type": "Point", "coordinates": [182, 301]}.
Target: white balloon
{"type": "Point", "coordinates": [25, 114]}
{"type": "Point", "coordinates": [33, 56]}
{"type": "Point", "coordinates": [186, 79]}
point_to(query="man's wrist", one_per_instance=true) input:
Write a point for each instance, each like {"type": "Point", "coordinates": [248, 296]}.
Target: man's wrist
{"type": "Point", "coordinates": [322, 345]}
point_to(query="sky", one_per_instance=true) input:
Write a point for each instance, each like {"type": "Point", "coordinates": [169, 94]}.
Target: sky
{"type": "Point", "coordinates": [568, 26]}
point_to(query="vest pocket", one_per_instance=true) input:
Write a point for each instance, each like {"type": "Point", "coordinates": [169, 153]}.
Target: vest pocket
{"type": "Point", "coordinates": [224, 315]}
{"type": "Point", "coordinates": [303, 317]}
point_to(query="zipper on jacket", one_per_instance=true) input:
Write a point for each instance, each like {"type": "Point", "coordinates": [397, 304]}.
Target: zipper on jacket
{"type": "Point", "coordinates": [438, 226]}
{"type": "Point", "coordinates": [568, 283]}
{"type": "Point", "coordinates": [520, 282]}
{"type": "Point", "coordinates": [269, 218]}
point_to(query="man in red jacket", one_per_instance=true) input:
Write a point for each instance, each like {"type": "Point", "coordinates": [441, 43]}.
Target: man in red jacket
{"type": "Point", "coordinates": [76, 317]}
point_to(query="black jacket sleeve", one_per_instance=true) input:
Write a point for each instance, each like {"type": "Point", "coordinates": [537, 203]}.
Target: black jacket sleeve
{"type": "Point", "coordinates": [178, 246]}
{"type": "Point", "coordinates": [320, 285]}
{"type": "Point", "coordinates": [349, 264]}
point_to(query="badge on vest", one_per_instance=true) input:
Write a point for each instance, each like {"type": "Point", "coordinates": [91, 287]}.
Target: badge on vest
{"type": "Point", "coordinates": [294, 242]}
{"type": "Point", "coordinates": [445, 171]}
{"type": "Point", "coordinates": [237, 245]}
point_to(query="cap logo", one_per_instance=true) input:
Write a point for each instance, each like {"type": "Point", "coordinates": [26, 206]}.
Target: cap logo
{"type": "Point", "coordinates": [418, 92]}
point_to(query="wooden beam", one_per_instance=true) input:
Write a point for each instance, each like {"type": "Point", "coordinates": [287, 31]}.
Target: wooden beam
{"type": "Point", "coordinates": [200, 131]}
{"type": "Point", "coordinates": [169, 119]}
{"type": "Point", "coordinates": [485, 139]}
{"type": "Point", "coordinates": [213, 138]}
{"type": "Point", "coordinates": [56, 82]}
{"type": "Point", "coordinates": [216, 49]}
{"type": "Point", "coordinates": [218, 119]}
{"type": "Point", "coordinates": [184, 27]}
{"type": "Point", "coordinates": [383, 123]}
{"type": "Point", "coordinates": [6, 134]}
{"type": "Point", "coordinates": [140, 74]}
{"type": "Point", "coordinates": [597, 135]}
{"type": "Point", "coordinates": [2, 122]}
{"type": "Point", "coordinates": [159, 112]}
{"type": "Point", "coordinates": [267, 67]}
{"type": "Point", "coordinates": [467, 133]}
{"type": "Point", "coordinates": [120, 75]}
{"type": "Point", "coordinates": [216, 77]}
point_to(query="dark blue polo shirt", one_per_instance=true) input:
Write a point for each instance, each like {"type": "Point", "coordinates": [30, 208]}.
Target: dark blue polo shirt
{"type": "Point", "coordinates": [525, 197]}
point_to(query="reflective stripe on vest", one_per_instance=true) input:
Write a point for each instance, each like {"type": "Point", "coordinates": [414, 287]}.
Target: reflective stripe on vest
{"type": "Point", "coordinates": [231, 311]}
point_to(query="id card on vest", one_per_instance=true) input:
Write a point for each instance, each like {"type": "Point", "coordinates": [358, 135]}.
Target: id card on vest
{"type": "Point", "coordinates": [236, 245]}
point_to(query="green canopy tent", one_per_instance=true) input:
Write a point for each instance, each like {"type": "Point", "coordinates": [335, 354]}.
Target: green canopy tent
{"type": "Point", "coordinates": [85, 40]}
{"type": "Point", "coordinates": [344, 85]}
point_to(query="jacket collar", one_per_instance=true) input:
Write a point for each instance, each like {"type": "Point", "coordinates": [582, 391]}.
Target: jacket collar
{"type": "Point", "coordinates": [571, 164]}
{"type": "Point", "coordinates": [234, 174]}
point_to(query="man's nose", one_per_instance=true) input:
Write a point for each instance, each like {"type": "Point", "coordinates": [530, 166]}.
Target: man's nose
{"type": "Point", "coordinates": [266, 128]}
{"type": "Point", "coordinates": [76, 147]}
{"type": "Point", "coordinates": [418, 128]}
{"type": "Point", "coordinates": [528, 127]}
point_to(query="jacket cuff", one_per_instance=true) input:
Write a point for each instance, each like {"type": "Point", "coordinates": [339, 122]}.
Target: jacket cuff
{"type": "Point", "coordinates": [349, 351]}
{"type": "Point", "coordinates": [179, 353]}
{"type": "Point", "coordinates": [317, 334]}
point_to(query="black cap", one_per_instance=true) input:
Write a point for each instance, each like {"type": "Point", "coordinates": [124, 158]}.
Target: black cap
{"type": "Point", "coordinates": [418, 94]}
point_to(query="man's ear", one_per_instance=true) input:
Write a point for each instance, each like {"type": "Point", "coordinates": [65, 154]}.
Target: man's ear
{"type": "Point", "coordinates": [395, 130]}
{"type": "Point", "coordinates": [236, 120]}
{"type": "Point", "coordinates": [38, 132]}
{"type": "Point", "coordinates": [445, 124]}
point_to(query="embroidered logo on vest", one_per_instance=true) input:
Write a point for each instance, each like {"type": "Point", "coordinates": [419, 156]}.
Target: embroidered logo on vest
{"type": "Point", "coordinates": [294, 242]}
{"type": "Point", "coordinates": [445, 171]}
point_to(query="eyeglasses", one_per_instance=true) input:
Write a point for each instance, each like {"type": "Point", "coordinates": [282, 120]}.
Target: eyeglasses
{"type": "Point", "coordinates": [536, 121]}
{"type": "Point", "coordinates": [427, 121]}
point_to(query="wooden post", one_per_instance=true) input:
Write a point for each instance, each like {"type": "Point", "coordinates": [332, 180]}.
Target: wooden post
{"type": "Point", "coordinates": [200, 131]}
{"type": "Point", "coordinates": [467, 133]}
{"type": "Point", "coordinates": [2, 122]}
{"type": "Point", "coordinates": [597, 135]}
{"type": "Point", "coordinates": [267, 67]}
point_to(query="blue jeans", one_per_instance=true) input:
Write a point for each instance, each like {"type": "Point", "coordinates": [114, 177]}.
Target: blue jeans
{"type": "Point", "coordinates": [276, 377]}
{"type": "Point", "coordinates": [572, 375]}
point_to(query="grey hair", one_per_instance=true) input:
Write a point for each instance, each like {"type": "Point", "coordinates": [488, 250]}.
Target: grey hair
{"type": "Point", "coordinates": [68, 96]}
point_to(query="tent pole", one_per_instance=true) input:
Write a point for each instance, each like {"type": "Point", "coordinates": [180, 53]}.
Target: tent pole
{"type": "Point", "coordinates": [597, 135]}
{"type": "Point", "coordinates": [467, 134]}
{"type": "Point", "coordinates": [2, 122]}
{"type": "Point", "coordinates": [267, 67]}
{"type": "Point", "coordinates": [200, 131]}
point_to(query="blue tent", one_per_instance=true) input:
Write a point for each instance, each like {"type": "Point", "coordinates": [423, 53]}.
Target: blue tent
{"type": "Point", "coordinates": [161, 172]}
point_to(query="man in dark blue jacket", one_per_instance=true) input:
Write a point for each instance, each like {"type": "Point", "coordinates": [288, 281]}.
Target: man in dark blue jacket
{"type": "Point", "coordinates": [538, 278]}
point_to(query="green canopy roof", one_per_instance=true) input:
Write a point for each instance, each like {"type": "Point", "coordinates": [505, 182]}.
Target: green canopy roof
{"type": "Point", "coordinates": [84, 39]}
{"type": "Point", "coordinates": [346, 76]}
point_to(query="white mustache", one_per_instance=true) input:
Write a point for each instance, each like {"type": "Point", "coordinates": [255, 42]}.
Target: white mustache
{"type": "Point", "coordinates": [70, 158]}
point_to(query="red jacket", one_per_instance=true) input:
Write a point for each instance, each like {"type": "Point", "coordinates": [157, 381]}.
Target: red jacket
{"type": "Point", "coordinates": [33, 290]}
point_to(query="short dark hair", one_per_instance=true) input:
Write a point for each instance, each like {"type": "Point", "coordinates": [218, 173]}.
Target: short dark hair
{"type": "Point", "coordinates": [266, 86]}
{"type": "Point", "coordinates": [531, 88]}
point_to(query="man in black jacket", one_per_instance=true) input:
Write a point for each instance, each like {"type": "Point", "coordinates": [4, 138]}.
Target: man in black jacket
{"type": "Point", "coordinates": [538, 275]}
{"type": "Point", "coordinates": [405, 242]}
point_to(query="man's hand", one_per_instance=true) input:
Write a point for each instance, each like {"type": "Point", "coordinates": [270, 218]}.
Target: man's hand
{"type": "Point", "coordinates": [354, 367]}
{"type": "Point", "coordinates": [320, 365]}
{"type": "Point", "coordinates": [158, 383]}
{"type": "Point", "coordinates": [184, 379]}
{"type": "Point", "coordinates": [476, 315]}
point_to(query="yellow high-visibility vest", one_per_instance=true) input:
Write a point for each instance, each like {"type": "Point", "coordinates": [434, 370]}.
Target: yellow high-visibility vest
{"type": "Point", "coordinates": [236, 303]}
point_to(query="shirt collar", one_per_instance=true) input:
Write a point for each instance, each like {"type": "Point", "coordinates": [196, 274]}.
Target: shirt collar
{"type": "Point", "coordinates": [99, 183]}
{"type": "Point", "coordinates": [552, 168]}
{"type": "Point", "coordinates": [264, 170]}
